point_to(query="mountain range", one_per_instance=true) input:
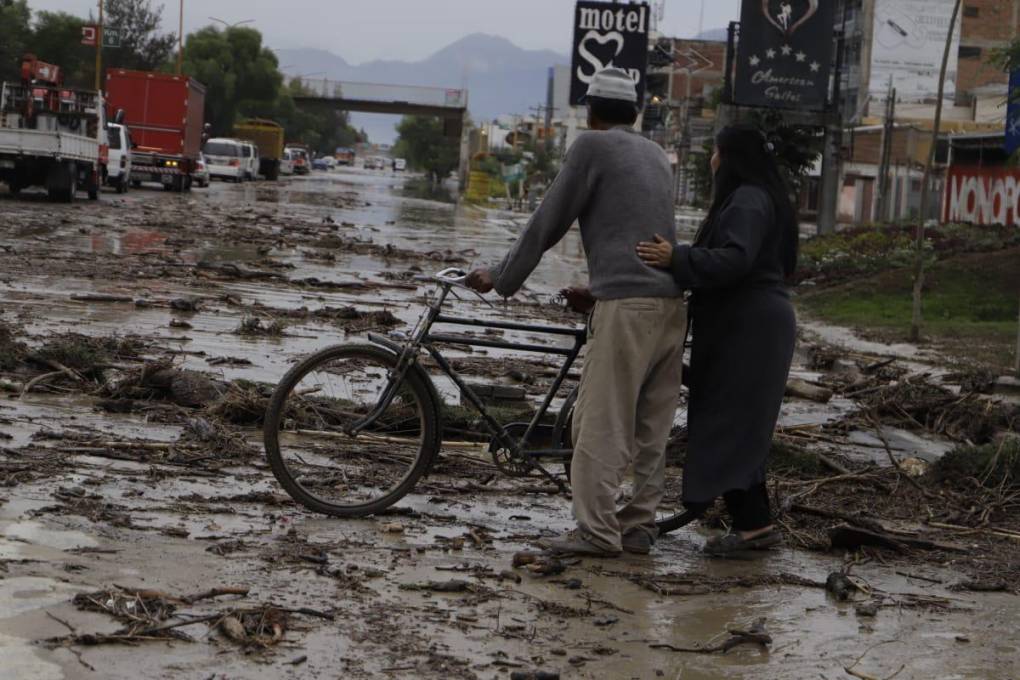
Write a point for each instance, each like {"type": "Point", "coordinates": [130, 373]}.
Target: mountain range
{"type": "Point", "coordinates": [500, 76]}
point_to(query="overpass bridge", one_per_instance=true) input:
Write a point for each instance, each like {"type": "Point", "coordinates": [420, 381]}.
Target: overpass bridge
{"type": "Point", "coordinates": [448, 104]}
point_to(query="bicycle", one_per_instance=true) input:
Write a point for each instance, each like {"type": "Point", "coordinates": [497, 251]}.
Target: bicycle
{"type": "Point", "coordinates": [356, 450]}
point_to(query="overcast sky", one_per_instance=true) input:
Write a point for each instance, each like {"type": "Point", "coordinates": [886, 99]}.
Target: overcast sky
{"type": "Point", "coordinates": [363, 30]}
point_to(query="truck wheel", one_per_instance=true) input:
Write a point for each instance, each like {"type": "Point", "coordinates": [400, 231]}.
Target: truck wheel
{"type": "Point", "coordinates": [122, 185]}
{"type": "Point", "coordinates": [187, 183]}
{"type": "Point", "coordinates": [93, 187]}
{"type": "Point", "coordinates": [62, 182]}
{"type": "Point", "coordinates": [178, 184]}
{"type": "Point", "coordinates": [274, 172]}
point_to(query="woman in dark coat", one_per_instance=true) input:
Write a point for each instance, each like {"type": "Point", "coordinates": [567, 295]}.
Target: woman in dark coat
{"type": "Point", "coordinates": [744, 330]}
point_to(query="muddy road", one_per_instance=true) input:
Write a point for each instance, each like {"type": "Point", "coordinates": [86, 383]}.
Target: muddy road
{"type": "Point", "coordinates": [143, 535]}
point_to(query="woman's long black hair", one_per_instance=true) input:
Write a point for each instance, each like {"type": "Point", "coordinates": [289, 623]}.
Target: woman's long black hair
{"type": "Point", "coordinates": [746, 159]}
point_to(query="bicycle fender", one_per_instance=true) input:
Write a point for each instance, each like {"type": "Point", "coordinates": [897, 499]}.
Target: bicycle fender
{"type": "Point", "coordinates": [383, 341]}
{"type": "Point", "coordinates": [416, 367]}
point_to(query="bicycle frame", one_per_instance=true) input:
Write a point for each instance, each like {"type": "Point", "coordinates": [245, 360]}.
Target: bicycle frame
{"type": "Point", "coordinates": [422, 338]}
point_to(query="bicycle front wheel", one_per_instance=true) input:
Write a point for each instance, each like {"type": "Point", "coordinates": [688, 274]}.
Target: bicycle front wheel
{"type": "Point", "coordinates": [307, 431]}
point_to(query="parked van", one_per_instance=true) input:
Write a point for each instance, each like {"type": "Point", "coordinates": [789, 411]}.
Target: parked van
{"type": "Point", "coordinates": [118, 168]}
{"type": "Point", "coordinates": [251, 161]}
{"type": "Point", "coordinates": [399, 164]}
{"type": "Point", "coordinates": [225, 159]}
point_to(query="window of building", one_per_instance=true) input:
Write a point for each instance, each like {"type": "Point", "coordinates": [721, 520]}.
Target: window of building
{"type": "Point", "coordinates": [969, 52]}
{"type": "Point", "coordinates": [971, 11]}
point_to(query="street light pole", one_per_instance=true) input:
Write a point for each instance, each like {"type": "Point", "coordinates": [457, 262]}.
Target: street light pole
{"type": "Point", "coordinates": [232, 25]}
{"type": "Point", "coordinates": [99, 49]}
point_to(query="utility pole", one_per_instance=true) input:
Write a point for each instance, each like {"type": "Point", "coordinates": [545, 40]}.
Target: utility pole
{"type": "Point", "coordinates": [549, 108]}
{"type": "Point", "coordinates": [180, 41]}
{"type": "Point", "coordinates": [830, 151]}
{"type": "Point", "coordinates": [881, 212]}
{"type": "Point", "coordinates": [1016, 362]}
{"type": "Point", "coordinates": [915, 317]}
{"type": "Point", "coordinates": [538, 109]}
{"type": "Point", "coordinates": [99, 49]}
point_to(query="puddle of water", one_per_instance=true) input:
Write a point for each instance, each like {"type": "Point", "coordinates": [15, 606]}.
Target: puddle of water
{"type": "Point", "coordinates": [21, 594]}
{"type": "Point", "coordinates": [28, 539]}
{"type": "Point", "coordinates": [19, 660]}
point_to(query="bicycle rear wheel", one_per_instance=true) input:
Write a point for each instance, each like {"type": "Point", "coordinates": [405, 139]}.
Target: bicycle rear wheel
{"type": "Point", "coordinates": [309, 446]}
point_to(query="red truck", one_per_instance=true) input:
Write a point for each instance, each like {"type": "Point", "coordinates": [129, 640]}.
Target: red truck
{"type": "Point", "coordinates": [165, 114]}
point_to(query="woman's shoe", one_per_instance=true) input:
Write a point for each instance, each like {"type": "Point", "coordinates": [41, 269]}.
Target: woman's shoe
{"type": "Point", "coordinates": [735, 543]}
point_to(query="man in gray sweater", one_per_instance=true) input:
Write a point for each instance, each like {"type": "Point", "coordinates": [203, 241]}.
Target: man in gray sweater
{"type": "Point", "coordinates": [618, 186]}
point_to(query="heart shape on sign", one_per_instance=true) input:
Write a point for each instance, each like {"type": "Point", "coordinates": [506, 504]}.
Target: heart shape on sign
{"type": "Point", "coordinates": [785, 15]}
{"type": "Point", "coordinates": [611, 37]}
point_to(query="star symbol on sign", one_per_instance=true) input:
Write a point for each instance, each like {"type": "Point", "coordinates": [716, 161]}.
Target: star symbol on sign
{"type": "Point", "coordinates": [770, 53]}
{"type": "Point", "coordinates": [815, 66]}
{"type": "Point", "coordinates": [786, 50]}
{"type": "Point", "coordinates": [754, 60]}
{"type": "Point", "coordinates": [800, 56]}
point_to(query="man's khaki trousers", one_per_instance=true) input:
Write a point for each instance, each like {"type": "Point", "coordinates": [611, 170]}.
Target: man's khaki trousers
{"type": "Point", "coordinates": [624, 412]}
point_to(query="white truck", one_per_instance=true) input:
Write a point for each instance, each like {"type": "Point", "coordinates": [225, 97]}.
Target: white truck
{"type": "Point", "coordinates": [51, 136]}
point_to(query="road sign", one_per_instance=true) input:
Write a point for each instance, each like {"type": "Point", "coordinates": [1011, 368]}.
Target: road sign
{"type": "Point", "coordinates": [88, 35]}
{"type": "Point", "coordinates": [1013, 113]}
{"type": "Point", "coordinates": [784, 54]}
{"type": "Point", "coordinates": [111, 38]}
{"type": "Point", "coordinates": [608, 34]}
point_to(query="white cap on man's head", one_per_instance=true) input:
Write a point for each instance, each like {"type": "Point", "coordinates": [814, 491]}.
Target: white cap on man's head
{"type": "Point", "coordinates": [613, 83]}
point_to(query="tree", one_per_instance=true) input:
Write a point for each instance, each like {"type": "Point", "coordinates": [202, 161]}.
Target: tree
{"type": "Point", "coordinates": [915, 320]}
{"type": "Point", "coordinates": [56, 38]}
{"type": "Point", "coordinates": [137, 25]}
{"type": "Point", "coordinates": [237, 71]}
{"type": "Point", "coordinates": [14, 37]}
{"type": "Point", "coordinates": [422, 142]}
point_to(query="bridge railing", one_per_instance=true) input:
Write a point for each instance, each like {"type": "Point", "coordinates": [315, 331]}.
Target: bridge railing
{"type": "Point", "coordinates": [376, 92]}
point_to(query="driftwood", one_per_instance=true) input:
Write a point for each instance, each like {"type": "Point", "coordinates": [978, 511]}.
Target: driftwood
{"type": "Point", "coordinates": [802, 389]}
{"type": "Point", "coordinates": [852, 537]}
{"type": "Point", "coordinates": [756, 635]}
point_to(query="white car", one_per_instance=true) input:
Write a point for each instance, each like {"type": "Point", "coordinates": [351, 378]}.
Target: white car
{"type": "Point", "coordinates": [399, 164]}
{"type": "Point", "coordinates": [287, 162]}
{"type": "Point", "coordinates": [225, 159]}
{"type": "Point", "coordinates": [200, 177]}
{"type": "Point", "coordinates": [250, 161]}
{"type": "Point", "coordinates": [118, 169]}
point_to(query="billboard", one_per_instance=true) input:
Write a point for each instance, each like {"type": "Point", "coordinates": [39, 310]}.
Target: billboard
{"type": "Point", "coordinates": [784, 54]}
{"type": "Point", "coordinates": [1013, 113]}
{"type": "Point", "coordinates": [608, 34]}
{"type": "Point", "coordinates": [908, 39]}
{"type": "Point", "coordinates": [982, 195]}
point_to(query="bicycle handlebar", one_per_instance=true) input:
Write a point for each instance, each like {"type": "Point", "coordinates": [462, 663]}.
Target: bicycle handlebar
{"type": "Point", "coordinates": [451, 275]}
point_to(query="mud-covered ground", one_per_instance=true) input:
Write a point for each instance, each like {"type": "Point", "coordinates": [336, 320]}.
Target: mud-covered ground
{"type": "Point", "coordinates": [139, 337]}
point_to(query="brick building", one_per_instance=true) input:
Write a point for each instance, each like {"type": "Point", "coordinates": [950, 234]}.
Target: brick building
{"type": "Point", "coordinates": [683, 76]}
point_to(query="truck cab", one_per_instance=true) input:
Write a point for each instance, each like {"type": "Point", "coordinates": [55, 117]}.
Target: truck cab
{"type": "Point", "coordinates": [118, 167]}
{"type": "Point", "coordinates": [250, 161]}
